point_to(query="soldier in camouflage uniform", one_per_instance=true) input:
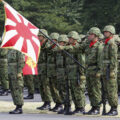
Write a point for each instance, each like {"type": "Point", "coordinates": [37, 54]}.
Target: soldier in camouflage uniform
{"type": "Point", "coordinates": [44, 85]}
{"type": "Point", "coordinates": [60, 69]}
{"type": "Point", "coordinates": [16, 62]}
{"type": "Point", "coordinates": [93, 73]}
{"type": "Point", "coordinates": [109, 73]}
{"type": "Point", "coordinates": [93, 52]}
{"type": "Point", "coordinates": [4, 71]}
{"type": "Point", "coordinates": [75, 75]}
{"type": "Point", "coordinates": [51, 72]}
{"type": "Point", "coordinates": [28, 80]}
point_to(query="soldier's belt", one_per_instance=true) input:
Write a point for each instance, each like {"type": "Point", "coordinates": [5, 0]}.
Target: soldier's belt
{"type": "Point", "coordinates": [60, 66]}
{"type": "Point", "coordinates": [12, 63]}
{"type": "Point", "coordinates": [94, 64]}
{"type": "Point", "coordinates": [106, 61]}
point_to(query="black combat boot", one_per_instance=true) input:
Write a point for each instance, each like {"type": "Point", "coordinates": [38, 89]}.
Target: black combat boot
{"type": "Point", "coordinates": [30, 96]}
{"type": "Point", "coordinates": [58, 107]}
{"type": "Point", "coordinates": [18, 110]}
{"type": "Point", "coordinates": [62, 111]}
{"type": "Point", "coordinates": [93, 111]}
{"type": "Point", "coordinates": [4, 93]}
{"type": "Point", "coordinates": [113, 112]}
{"type": "Point", "coordinates": [79, 111]}
{"type": "Point", "coordinates": [68, 111]}
{"type": "Point", "coordinates": [45, 106]}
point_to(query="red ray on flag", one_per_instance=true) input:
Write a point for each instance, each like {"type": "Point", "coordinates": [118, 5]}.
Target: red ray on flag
{"type": "Point", "coordinates": [20, 34]}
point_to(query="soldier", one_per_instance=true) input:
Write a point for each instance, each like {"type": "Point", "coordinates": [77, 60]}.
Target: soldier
{"type": "Point", "coordinates": [93, 52]}
{"type": "Point", "coordinates": [44, 85]}
{"type": "Point", "coordinates": [4, 71]}
{"type": "Point", "coordinates": [93, 72]}
{"type": "Point", "coordinates": [60, 69]}
{"type": "Point", "coordinates": [109, 73]}
{"type": "Point", "coordinates": [28, 80]}
{"type": "Point", "coordinates": [16, 62]}
{"type": "Point", "coordinates": [75, 75]}
{"type": "Point", "coordinates": [51, 72]}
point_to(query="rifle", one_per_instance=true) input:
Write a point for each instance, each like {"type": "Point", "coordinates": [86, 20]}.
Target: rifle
{"type": "Point", "coordinates": [78, 76]}
{"type": "Point", "coordinates": [103, 98]}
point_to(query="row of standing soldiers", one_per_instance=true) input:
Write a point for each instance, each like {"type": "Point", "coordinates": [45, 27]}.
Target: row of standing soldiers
{"type": "Point", "coordinates": [61, 80]}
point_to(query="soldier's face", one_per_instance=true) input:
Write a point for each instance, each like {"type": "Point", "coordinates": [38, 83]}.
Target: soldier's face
{"type": "Point", "coordinates": [40, 37]}
{"type": "Point", "coordinates": [62, 43]}
{"type": "Point", "coordinates": [55, 40]}
{"type": "Point", "coordinates": [107, 34]}
{"type": "Point", "coordinates": [91, 37]}
{"type": "Point", "coordinates": [71, 40]}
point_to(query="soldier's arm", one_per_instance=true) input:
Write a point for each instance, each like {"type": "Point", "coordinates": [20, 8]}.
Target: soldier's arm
{"type": "Point", "coordinates": [113, 55]}
{"type": "Point", "coordinates": [100, 57]}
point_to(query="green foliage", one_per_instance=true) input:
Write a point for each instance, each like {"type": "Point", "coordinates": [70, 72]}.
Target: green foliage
{"type": "Point", "coordinates": [66, 15]}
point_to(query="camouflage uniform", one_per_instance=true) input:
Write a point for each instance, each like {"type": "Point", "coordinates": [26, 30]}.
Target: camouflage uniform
{"type": "Point", "coordinates": [44, 86]}
{"type": "Point", "coordinates": [16, 62]}
{"type": "Point", "coordinates": [75, 74]}
{"type": "Point", "coordinates": [4, 69]}
{"type": "Point", "coordinates": [28, 81]}
{"type": "Point", "coordinates": [110, 64]}
{"type": "Point", "coordinates": [60, 69]}
{"type": "Point", "coordinates": [93, 66]}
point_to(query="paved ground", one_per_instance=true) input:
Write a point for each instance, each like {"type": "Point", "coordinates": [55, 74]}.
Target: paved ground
{"type": "Point", "coordinates": [32, 114]}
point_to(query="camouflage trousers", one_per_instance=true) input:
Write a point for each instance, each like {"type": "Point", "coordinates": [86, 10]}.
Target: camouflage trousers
{"type": "Point", "coordinates": [16, 85]}
{"type": "Point", "coordinates": [44, 85]}
{"type": "Point", "coordinates": [77, 88]}
{"type": "Point", "coordinates": [51, 74]}
{"type": "Point", "coordinates": [118, 76]}
{"type": "Point", "coordinates": [36, 82]}
{"type": "Point", "coordinates": [28, 81]}
{"type": "Point", "coordinates": [61, 83]}
{"type": "Point", "coordinates": [93, 87]}
{"type": "Point", "coordinates": [44, 88]}
{"type": "Point", "coordinates": [54, 89]}
{"type": "Point", "coordinates": [4, 74]}
{"type": "Point", "coordinates": [111, 87]}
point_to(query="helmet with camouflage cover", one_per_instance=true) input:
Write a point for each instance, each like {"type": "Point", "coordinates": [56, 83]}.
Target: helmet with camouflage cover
{"type": "Point", "coordinates": [44, 32]}
{"type": "Point", "coordinates": [63, 38]}
{"type": "Point", "coordinates": [82, 36]}
{"type": "Point", "coordinates": [109, 28]}
{"type": "Point", "coordinates": [73, 34]}
{"type": "Point", "coordinates": [101, 36]}
{"type": "Point", "coordinates": [54, 36]}
{"type": "Point", "coordinates": [94, 30]}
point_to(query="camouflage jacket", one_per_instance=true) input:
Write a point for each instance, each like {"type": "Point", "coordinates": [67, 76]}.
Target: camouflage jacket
{"type": "Point", "coordinates": [110, 53]}
{"type": "Point", "coordinates": [16, 58]}
{"type": "Point", "coordinates": [3, 53]}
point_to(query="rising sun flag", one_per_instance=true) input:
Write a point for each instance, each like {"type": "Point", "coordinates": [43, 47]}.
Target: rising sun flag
{"type": "Point", "coordinates": [20, 34]}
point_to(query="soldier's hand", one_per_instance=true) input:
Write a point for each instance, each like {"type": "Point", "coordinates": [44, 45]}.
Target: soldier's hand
{"type": "Point", "coordinates": [98, 75]}
{"type": "Point", "coordinates": [19, 75]}
{"type": "Point", "coordinates": [112, 74]}
{"type": "Point", "coordinates": [61, 47]}
{"type": "Point", "coordinates": [82, 77]}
